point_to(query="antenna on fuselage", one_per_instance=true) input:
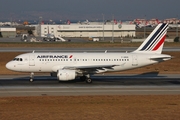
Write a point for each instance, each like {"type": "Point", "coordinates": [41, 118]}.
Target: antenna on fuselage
{"type": "Point", "coordinates": [33, 51]}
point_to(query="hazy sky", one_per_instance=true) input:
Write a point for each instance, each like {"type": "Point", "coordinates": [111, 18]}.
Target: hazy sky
{"type": "Point", "coordinates": [88, 9]}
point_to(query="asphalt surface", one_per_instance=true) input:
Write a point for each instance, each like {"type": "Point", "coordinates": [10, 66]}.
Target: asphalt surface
{"type": "Point", "coordinates": [145, 84]}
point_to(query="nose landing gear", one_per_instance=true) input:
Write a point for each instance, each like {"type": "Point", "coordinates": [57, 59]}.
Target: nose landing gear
{"type": "Point", "coordinates": [31, 77]}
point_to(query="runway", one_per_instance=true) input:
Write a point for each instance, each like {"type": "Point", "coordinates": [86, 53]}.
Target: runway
{"type": "Point", "coordinates": [102, 85]}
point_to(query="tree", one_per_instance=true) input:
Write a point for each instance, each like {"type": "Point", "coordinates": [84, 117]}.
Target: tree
{"type": "Point", "coordinates": [30, 32]}
{"type": "Point", "coordinates": [1, 35]}
{"type": "Point", "coordinates": [176, 39]}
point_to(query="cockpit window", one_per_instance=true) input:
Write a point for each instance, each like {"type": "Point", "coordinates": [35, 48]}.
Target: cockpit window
{"type": "Point", "coordinates": [17, 59]}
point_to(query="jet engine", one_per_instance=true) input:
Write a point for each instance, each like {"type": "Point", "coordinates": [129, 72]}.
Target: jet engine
{"type": "Point", "coordinates": [65, 75]}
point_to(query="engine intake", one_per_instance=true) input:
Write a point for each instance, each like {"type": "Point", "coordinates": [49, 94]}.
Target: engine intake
{"type": "Point", "coordinates": [65, 75]}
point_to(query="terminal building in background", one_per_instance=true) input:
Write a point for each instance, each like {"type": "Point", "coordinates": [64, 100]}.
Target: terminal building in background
{"type": "Point", "coordinates": [90, 30]}
{"type": "Point", "coordinates": [137, 29]}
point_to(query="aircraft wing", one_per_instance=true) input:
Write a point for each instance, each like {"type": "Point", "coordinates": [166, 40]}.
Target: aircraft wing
{"type": "Point", "coordinates": [91, 69]}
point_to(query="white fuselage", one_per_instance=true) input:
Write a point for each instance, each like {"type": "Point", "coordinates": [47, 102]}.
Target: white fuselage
{"type": "Point", "coordinates": [52, 62]}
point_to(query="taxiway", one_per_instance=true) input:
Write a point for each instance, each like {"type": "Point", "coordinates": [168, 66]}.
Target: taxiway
{"type": "Point", "coordinates": [102, 85]}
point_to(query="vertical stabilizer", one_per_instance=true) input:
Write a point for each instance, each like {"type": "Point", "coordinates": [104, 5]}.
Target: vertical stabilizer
{"type": "Point", "coordinates": [155, 41]}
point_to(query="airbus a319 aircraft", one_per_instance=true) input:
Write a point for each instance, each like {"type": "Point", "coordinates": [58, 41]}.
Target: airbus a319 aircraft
{"type": "Point", "coordinates": [69, 66]}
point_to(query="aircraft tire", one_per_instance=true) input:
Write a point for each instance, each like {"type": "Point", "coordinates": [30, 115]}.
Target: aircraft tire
{"type": "Point", "coordinates": [88, 80]}
{"type": "Point", "coordinates": [31, 80]}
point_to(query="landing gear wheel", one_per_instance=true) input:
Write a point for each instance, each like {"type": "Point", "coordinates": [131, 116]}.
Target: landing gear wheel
{"type": "Point", "coordinates": [31, 77]}
{"type": "Point", "coordinates": [88, 80]}
{"type": "Point", "coordinates": [31, 80]}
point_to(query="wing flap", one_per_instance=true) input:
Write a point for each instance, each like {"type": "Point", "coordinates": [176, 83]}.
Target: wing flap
{"type": "Point", "coordinates": [91, 67]}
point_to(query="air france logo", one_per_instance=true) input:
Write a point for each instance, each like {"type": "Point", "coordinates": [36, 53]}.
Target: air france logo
{"type": "Point", "coordinates": [70, 56]}
{"type": "Point", "coordinates": [53, 56]}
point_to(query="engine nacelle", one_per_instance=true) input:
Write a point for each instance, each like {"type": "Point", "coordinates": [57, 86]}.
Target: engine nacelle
{"type": "Point", "coordinates": [65, 75]}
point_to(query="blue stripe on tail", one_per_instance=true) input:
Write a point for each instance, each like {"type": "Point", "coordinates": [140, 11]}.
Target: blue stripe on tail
{"type": "Point", "coordinates": [153, 37]}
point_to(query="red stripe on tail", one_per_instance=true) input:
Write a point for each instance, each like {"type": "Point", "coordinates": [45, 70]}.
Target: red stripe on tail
{"type": "Point", "coordinates": [160, 43]}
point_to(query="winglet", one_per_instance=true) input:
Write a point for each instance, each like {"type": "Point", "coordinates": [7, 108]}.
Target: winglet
{"type": "Point", "coordinates": [155, 41]}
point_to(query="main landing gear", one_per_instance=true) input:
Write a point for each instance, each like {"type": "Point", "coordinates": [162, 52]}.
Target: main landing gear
{"type": "Point", "coordinates": [86, 78]}
{"type": "Point", "coordinates": [31, 77]}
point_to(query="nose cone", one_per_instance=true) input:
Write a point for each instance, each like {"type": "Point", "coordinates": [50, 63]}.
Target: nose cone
{"type": "Point", "coordinates": [9, 66]}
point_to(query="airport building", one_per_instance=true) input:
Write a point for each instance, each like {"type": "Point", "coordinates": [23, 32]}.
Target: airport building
{"type": "Point", "coordinates": [7, 32]}
{"type": "Point", "coordinates": [90, 30]}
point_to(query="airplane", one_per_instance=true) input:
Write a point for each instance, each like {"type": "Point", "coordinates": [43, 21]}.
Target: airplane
{"type": "Point", "coordinates": [49, 36]}
{"type": "Point", "coordinates": [69, 66]}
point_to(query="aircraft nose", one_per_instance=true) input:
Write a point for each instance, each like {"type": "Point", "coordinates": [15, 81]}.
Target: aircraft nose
{"type": "Point", "coordinates": [9, 66]}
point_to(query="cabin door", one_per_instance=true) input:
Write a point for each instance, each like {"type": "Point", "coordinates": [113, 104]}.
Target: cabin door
{"type": "Point", "coordinates": [31, 60]}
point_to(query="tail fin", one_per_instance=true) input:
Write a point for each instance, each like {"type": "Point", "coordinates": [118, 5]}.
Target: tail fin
{"type": "Point", "coordinates": [155, 41]}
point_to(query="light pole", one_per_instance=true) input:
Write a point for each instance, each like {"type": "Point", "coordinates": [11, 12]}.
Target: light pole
{"type": "Point", "coordinates": [177, 34]}
{"type": "Point", "coordinates": [145, 27]}
{"type": "Point", "coordinates": [103, 26]}
{"type": "Point", "coordinates": [39, 26]}
{"type": "Point", "coordinates": [112, 28]}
